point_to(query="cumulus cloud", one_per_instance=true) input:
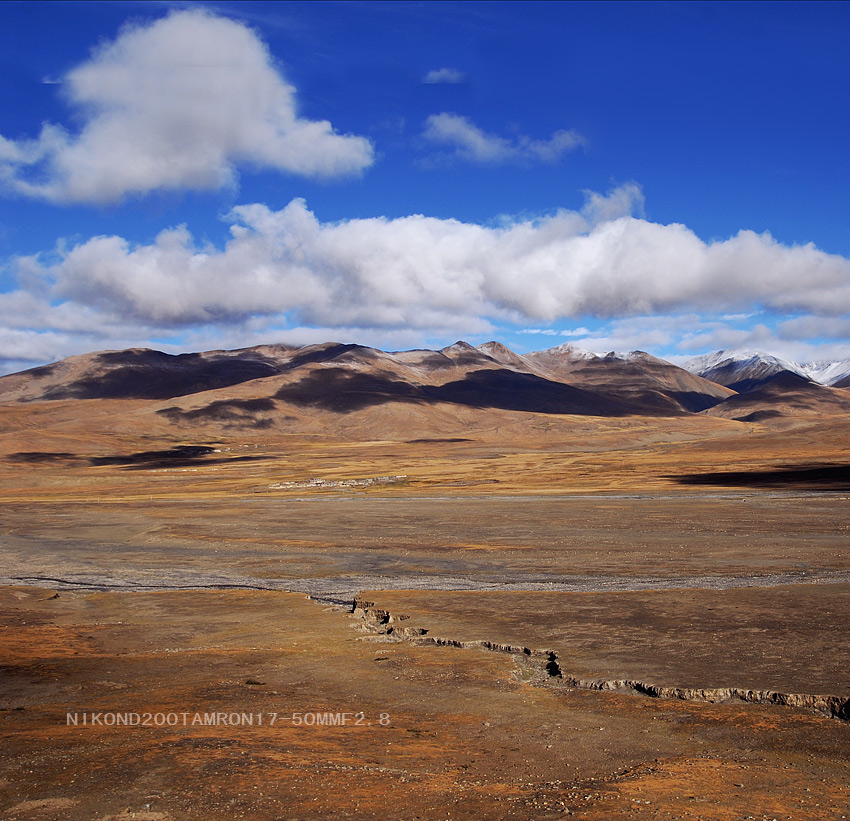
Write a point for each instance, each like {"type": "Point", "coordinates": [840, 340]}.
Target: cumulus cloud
{"type": "Point", "coordinates": [625, 200]}
{"type": "Point", "coordinates": [444, 75]}
{"type": "Point", "coordinates": [394, 272]}
{"type": "Point", "coordinates": [464, 140]}
{"type": "Point", "coordinates": [433, 277]}
{"type": "Point", "coordinates": [179, 103]}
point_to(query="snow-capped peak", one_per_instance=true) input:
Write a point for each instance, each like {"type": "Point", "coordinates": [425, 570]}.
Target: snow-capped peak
{"type": "Point", "coordinates": [827, 373]}
{"type": "Point", "coordinates": [573, 351]}
{"type": "Point", "coordinates": [730, 367]}
{"type": "Point", "coordinates": [458, 347]}
{"type": "Point", "coordinates": [632, 356]}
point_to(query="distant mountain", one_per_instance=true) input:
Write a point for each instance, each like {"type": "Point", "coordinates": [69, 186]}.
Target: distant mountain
{"type": "Point", "coordinates": [745, 370]}
{"type": "Point", "coordinates": [320, 387]}
{"type": "Point", "coordinates": [783, 394]}
{"type": "Point", "coordinates": [836, 374]}
{"type": "Point", "coordinates": [643, 380]}
{"type": "Point", "coordinates": [741, 370]}
{"type": "Point", "coordinates": [141, 373]}
{"type": "Point", "coordinates": [342, 378]}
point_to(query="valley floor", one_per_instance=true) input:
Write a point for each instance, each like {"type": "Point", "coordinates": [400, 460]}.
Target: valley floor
{"type": "Point", "coordinates": [178, 592]}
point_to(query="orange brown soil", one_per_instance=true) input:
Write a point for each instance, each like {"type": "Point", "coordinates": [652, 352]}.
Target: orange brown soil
{"type": "Point", "coordinates": [469, 736]}
{"type": "Point", "coordinates": [785, 639]}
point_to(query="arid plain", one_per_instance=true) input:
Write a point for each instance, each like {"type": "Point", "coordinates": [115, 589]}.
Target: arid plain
{"type": "Point", "coordinates": [601, 616]}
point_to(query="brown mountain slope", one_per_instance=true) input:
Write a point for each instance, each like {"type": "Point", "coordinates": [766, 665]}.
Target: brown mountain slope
{"type": "Point", "coordinates": [359, 391]}
{"type": "Point", "coordinates": [343, 378]}
{"type": "Point", "coordinates": [643, 381]}
{"type": "Point", "coordinates": [141, 373]}
{"type": "Point", "coordinates": [784, 394]}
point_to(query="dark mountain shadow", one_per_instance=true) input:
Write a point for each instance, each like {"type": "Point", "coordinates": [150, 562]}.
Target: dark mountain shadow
{"type": "Point", "coordinates": [180, 456]}
{"type": "Point", "coordinates": [783, 380]}
{"type": "Point", "coordinates": [645, 402]}
{"type": "Point", "coordinates": [800, 477]}
{"type": "Point", "coordinates": [327, 354]}
{"type": "Point", "coordinates": [156, 375]}
{"type": "Point", "coordinates": [509, 390]}
{"type": "Point", "coordinates": [344, 391]}
{"type": "Point", "coordinates": [40, 371]}
{"type": "Point", "coordinates": [693, 401]}
{"type": "Point", "coordinates": [181, 453]}
{"type": "Point", "coordinates": [240, 412]}
{"type": "Point", "coordinates": [41, 457]}
{"type": "Point", "coordinates": [759, 416]}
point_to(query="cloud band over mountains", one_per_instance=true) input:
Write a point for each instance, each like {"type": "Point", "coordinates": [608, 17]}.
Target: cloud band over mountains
{"type": "Point", "coordinates": [426, 273]}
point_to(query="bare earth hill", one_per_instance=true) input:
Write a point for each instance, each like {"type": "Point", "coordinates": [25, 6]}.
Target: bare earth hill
{"type": "Point", "coordinates": [312, 388]}
{"type": "Point", "coordinates": [342, 378]}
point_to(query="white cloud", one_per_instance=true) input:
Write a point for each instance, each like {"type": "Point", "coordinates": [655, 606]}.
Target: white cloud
{"type": "Point", "coordinates": [813, 327]}
{"type": "Point", "coordinates": [176, 104]}
{"type": "Point", "coordinates": [419, 270]}
{"type": "Point", "coordinates": [725, 337]}
{"type": "Point", "coordinates": [733, 317]}
{"type": "Point", "coordinates": [466, 141]}
{"type": "Point", "coordinates": [659, 286]}
{"type": "Point", "coordinates": [624, 201]}
{"type": "Point", "coordinates": [444, 75]}
{"type": "Point", "coordinates": [414, 271]}
{"type": "Point", "coordinates": [30, 346]}
{"type": "Point", "coordinates": [687, 332]}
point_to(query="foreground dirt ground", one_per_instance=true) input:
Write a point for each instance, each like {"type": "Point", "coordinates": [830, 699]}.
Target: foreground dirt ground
{"type": "Point", "coordinates": [429, 732]}
{"type": "Point", "coordinates": [783, 639]}
{"type": "Point", "coordinates": [691, 553]}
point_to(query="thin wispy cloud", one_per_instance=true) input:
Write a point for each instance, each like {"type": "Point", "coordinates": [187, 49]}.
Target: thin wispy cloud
{"type": "Point", "coordinates": [444, 75]}
{"type": "Point", "coordinates": [460, 139]}
{"type": "Point", "coordinates": [180, 103]}
{"type": "Point", "coordinates": [555, 331]}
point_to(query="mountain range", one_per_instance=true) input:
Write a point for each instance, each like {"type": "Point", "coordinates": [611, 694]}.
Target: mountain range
{"type": "Point", "coordinates": [274, 385]}
{"type": "Point", "coordinates": [740, 368]}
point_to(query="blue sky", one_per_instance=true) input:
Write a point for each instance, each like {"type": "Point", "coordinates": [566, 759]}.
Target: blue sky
{"type": "Point", "coordinates": [671, 177]}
